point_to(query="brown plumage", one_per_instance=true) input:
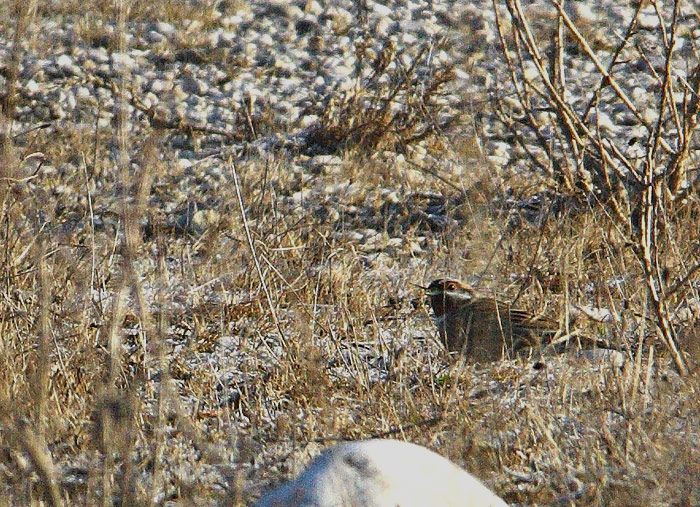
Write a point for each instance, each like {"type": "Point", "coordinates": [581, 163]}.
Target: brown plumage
{"type": "Point", "coordinates": [482, 327]}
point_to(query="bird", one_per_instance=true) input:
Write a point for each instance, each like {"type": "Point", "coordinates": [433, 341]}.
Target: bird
{"type": "Point", "coordinates": [482, 327]}
{"type": "Point", "coordinates": [381, 473]}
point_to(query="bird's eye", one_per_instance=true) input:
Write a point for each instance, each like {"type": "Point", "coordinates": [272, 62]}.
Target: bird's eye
{"type": "Point", "coordinates": [450, 286]}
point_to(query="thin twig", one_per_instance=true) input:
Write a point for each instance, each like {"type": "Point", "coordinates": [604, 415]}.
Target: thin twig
{"type": "Point", "coordinates": [251, 245]}
{"type": "Point", "coordinates": [613, 61]}
{"type": "Point", "coordinates": [683, 280]}
{"type": "Point", "coordinates": [606, 75]}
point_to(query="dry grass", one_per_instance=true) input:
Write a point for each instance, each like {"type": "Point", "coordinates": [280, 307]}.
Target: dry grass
{"type": "Point", "coordinates": [140, 361]}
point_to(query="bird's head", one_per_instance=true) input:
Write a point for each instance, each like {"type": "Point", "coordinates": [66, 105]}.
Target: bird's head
{"type": "Point", "coordinates": [446, 294]}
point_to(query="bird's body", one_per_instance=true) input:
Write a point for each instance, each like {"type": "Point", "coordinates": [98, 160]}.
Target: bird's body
{"type": "Point", "coordinates": [482, 327]}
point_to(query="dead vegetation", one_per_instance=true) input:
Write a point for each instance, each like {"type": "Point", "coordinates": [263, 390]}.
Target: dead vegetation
{"type": "Point", "coordinates": [148, 357]}
{"type": "Point", "coordinates": [390, 108]}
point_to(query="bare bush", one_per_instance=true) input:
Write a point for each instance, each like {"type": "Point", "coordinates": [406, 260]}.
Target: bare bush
{"type": "Point", "coordinates": [646, 191]}
{"type": "Point", "coordinates": [391, 106]}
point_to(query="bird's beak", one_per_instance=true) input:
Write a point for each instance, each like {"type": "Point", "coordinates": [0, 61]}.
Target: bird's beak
{"type": "Point", "coordinates": [434, 291]}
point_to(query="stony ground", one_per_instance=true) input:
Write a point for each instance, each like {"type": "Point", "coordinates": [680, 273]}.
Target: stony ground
{"type": "Point", "coordinates": [160, 345]}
